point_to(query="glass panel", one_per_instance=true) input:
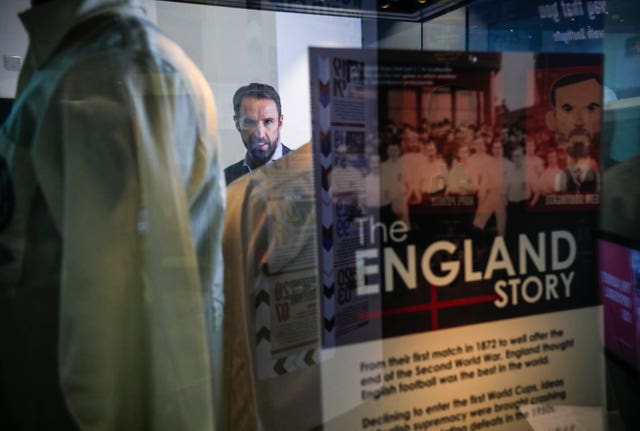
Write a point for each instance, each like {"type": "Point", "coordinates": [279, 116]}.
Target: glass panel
{"type": "Point", "coordinates": [536, 25]}
{"type": "Point", "coordinates": [416, 340]}
{"type": "Point", "coordinates": [437, 127]}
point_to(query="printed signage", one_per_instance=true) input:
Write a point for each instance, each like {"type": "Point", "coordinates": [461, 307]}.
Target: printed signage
{"type": "Point", "coordinates": [455, 250]}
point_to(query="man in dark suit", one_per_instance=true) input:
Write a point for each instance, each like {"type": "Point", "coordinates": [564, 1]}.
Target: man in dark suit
{"type": "Point", "coordinates": [258, 118]}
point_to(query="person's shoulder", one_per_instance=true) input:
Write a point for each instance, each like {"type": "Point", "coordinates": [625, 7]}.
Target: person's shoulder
{"type": "Point", "coordinates": [285, 149]}
{"type": "Point", "coordinates": [291, 165]}
{"type": "Point", "coordinates": [235, 171]}
{"type": "Point", "coordinates": [102, 47]}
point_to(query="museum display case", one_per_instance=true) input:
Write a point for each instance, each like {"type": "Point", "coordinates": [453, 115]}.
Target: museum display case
{"type": "Point", "coordinates": [452, 241]}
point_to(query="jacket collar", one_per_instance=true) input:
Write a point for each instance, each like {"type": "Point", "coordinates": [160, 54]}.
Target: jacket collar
{"type": "Point", "coordinates": [49, 23]}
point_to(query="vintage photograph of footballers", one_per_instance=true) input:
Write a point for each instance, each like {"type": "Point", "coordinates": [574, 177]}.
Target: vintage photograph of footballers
{"type": "Point", "coordinates": [475, 193]}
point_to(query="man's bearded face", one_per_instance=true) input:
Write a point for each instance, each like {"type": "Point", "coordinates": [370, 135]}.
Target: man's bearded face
{"type": "Point", "coordinates": [578, 109]}
{"type": "Point", "coordinates": [259, 125]}
{"type": "Point", "coordinates": [578, 145]}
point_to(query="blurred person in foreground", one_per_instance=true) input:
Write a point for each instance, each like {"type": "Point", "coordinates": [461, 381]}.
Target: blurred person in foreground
{"type": "Point", "coordinates": [269, 240]}
{"type": "Point", "coordinates": [112, 211]}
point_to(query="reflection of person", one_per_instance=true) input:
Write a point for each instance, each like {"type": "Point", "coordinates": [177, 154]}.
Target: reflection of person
{"type": "Point", "coordinates": [114, 236]}
{"type": "Point", "coordinates": [576, 117]}
{"type": "Point", "coordinates": [258, 118]}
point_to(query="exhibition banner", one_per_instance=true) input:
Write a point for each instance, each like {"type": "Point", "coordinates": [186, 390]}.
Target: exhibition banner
{"type": "Point", "coordinates": [456, 199]}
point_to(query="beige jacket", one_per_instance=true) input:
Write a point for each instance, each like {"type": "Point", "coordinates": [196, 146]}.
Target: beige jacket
{"type": "Point", "coordinates": [114, 208]}
{"type": "Point", "coordinates": [269, 239]}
